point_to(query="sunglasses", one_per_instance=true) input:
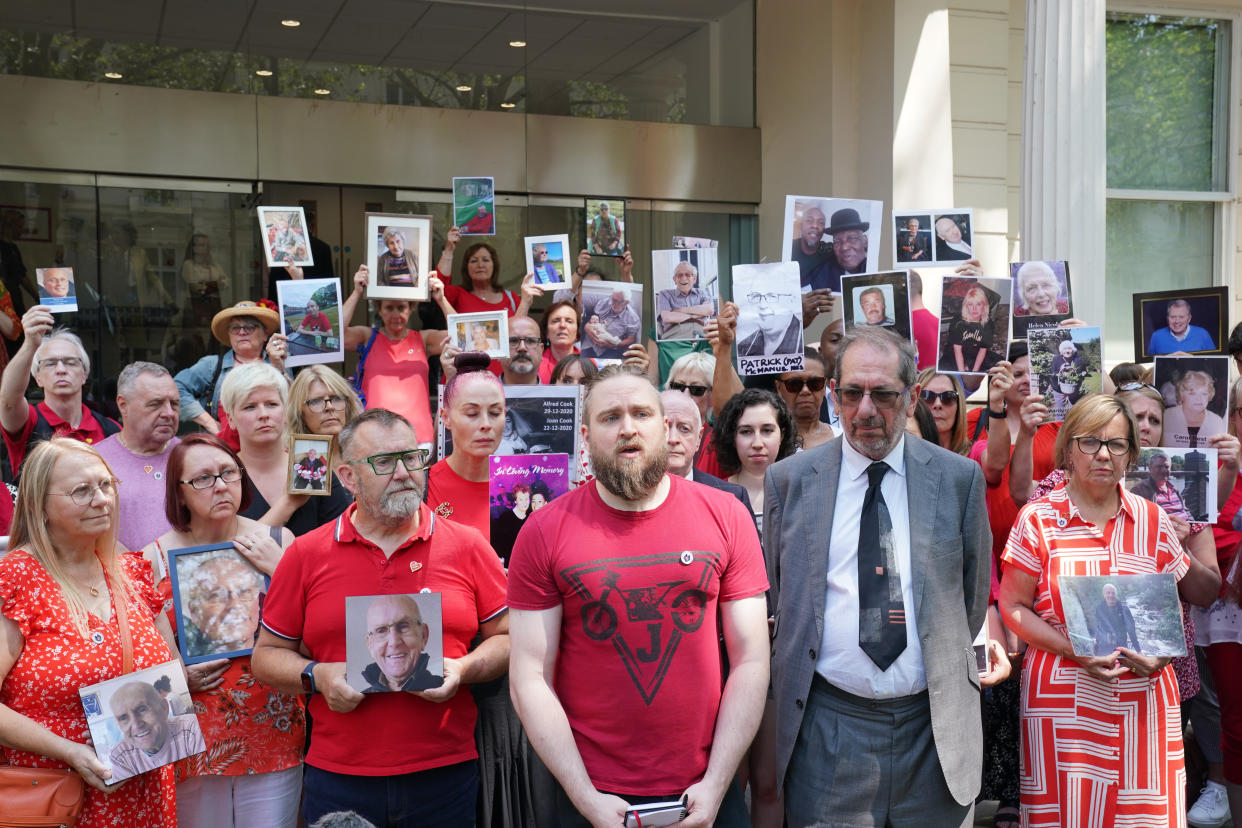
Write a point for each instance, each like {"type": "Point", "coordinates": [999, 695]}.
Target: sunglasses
{"type": "Point", "coordinates": [692, 390]}
{"type": "Point", "coordinates": [945, 397]}
{"type": "Point", "coordinates": [795, 385]}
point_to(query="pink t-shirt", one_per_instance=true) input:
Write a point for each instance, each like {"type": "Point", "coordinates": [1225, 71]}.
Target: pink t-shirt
{"type": "Point", "coordinates": [397, 377]}
{"type": "Point", "coordinates": [142, 491]}
{"type": "Point", "coordinates": [639, 671]}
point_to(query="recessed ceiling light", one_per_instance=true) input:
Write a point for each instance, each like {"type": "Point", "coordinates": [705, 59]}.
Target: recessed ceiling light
{"type": "Point", "coordinates": [289, 22]}
{"type": "Point", "coordinates": [507, 105]}
{"type": "Point", "coordinates": [517, 44]}
{"type": "Point", "coordinates": [463, 88]}
{"type": "Point", "coordinates": [323, 91]}
{"type": "Point", "coordinates": [113, 75]}
{"type": "Point", "coordinates": [263, 73]}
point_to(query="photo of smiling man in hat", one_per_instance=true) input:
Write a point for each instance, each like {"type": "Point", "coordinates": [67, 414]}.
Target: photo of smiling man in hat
{"type": "Point", "coordinates": [832, 237]}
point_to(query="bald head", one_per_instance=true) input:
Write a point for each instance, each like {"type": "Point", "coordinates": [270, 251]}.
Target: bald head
{"type": "Point", "coordinates": [141, 714]}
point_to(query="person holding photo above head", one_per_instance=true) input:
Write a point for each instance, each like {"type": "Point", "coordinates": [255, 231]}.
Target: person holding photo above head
{"type": "Point", "coordinates": [321, 402]}
{"type": "Point", "coordinates": [243, 329]}
{"type": "Point", "coordinates": [479, 280]}
{"type": "Point", "coordinates": [605, 232]}
{"type": "Point", "coordinates": [585, 703]}
{"type": "Point", "coordinates": [151, 735]}
{"type": "Point", "coordinates": [949, 242]}
{"type": "Point", "coordinates": [479, 339]}
{"type": "Point", "coordinates": [681, 309]}
{"type": "Point", "coordinates": [255, 396]}
{"type": "Point", "coordinates": [803, 392]}
{"type": "Point", "coordinates": [313, 326]}
{"type": "Point", "coordinates": [1092, 526]}
{"type": "Point", "coordinates": [397, 266]}
{"type": "Point", "coordinates": [361, 755]}
{"type": "Point", "coordinates": [1037, 291]}
{"type": "Point", "coordinates": [612, 326]}
{"type": "Point", "coordinates": [310, 471]}
{"type": "Point", "coordinates": [1065, 377]}
{"type": "Point", "coordinates": [57, 284]}
{"type": "Point", "coordinates": [874, 308]}
{"type": "Point", "coordinates": [560, 326]}
{"type": "Point", "coordinates": [1185, 422]}
{"type": "Point", "coordinates": [946, 399]}
{"type": "Point", "coordinates": [251, 773]}
{"type": "Point", "coordinates": [755, 430]}
{"type": "Point", "coordinates": [776, 329]}
{"type": "Point", "coordinates": [545, 271]}
{"type": "Point", "coordinates": [1179, 335]}
{"type": "Point", "coordinates": [60, 365]}
{"type": "Point", "coordinates": [913, 244]}
{"type": "Point", "coordinates": [396, 636]}
{"type": "Point", "coordinates": [971, 335]}
{"type": "Point", "coordinates": [64, 586]}
{"type": "Point", "coordinates": [574, 369]}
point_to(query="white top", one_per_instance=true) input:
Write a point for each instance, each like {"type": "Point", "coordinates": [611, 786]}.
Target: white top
{"type": "Point", "coordinates": [841, 661]}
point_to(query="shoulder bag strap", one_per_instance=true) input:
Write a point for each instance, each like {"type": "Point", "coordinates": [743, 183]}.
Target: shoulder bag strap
{"type": "Point", "coordinates": [122, 621]}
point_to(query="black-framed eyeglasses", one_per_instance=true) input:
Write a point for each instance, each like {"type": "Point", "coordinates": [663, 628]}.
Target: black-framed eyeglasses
{"type": "Point", "coordinates": [1091, 445]}
{"type": "Point", "coordinates": [692, 390]}
{"type": "Point", "coordinates": [318, 404]}
{"type": "Point", "coordinates": [945, 397]}
{"type": "Point", "coordinates": [85, 493]}
{"type": "Point", "coordinates": [207, 481]}
{"type": "Point", "coordinates": [794, 385]}
{"type": "Point", "coordinates": [1138, 386]}
{"type": "Point", "coordinates": [880, 397]}
{"type": "Point", "coordinates": [769, 298]}
{"type": "Point", "coordinates": [528, 341]}
{"type": "Point", "coordinates": [385, 464]}
{"type": "Point", "coordinates": [69, 362]}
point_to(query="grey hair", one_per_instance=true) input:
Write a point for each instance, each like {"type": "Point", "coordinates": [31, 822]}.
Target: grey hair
{"type": "Point", "coordinates": [394, 231]}
{"type": "Point", "coordinates": [68, 336]}
{"type": "Point", "coordinates": [688, 264]}
{"type": "Point", "coordinates": [245, 379]}
{"type": "Point", "coordinates": [380, 416]}
{"type": "Point", "coordinates": [693, 361]}
{"type": "Point", "coordinates": [883, 339]}
{"type": "Point", "coordinates": [130, 374]}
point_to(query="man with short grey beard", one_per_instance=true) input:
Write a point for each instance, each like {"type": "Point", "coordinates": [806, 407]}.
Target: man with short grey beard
{"type": "Point", "coordinates": [525, 352]}
{"type": "Point", "coordinates": [362, 757]}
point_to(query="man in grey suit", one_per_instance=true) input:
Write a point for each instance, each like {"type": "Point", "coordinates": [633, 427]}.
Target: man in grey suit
{"type": "Point", "coordinates": [878, 559]}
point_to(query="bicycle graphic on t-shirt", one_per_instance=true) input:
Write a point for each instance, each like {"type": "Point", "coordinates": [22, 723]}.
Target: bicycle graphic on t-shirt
{"type": "Point", "coordinates": [599, 620]}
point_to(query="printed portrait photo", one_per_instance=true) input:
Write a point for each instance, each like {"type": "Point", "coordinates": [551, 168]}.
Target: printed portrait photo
{"type": "Point", "coordinates": [1066, 365]}
{"type": "Point", "coordinates": [769, 322]}
{"type": "Point", "coordinates": [1196, 396]}
{"type": "Point", "coordinates": [518, 487]}
{"type": "Point", "coordinates": [398, 256]}
{"type": "Point", "coordinates": [539, 419]}
{"type": "Point", "coordinates": [548, 258]}
{"type": "Point", "coordinates": [394, 643]}
{"type": "Point", "coordinates": [1194, 321]}
{"type": "Point", "coordinates": [953, 236]}
{"type": "Point", "coordinates": [142, 720]}
{"type": "Point", "coordinates": [831, 237]}
{"type": "Point", "coordinates": [310, 464]}
{"type": "Point", "coordinates": [1041, 295]}
{"type": "Point", "coordinates": [1107, 613]}
{"type": "Point", "coordinates": [218, 597]}
{"type": "Point", "coordinates": [605, 226]}
{"type": "Point", "coordinates": [474, 206]}
{"type": "Point", "coordinates": [486, 331]}
{"type": "Point", "coordinates": [57, 289]}
{"type": "Point", "coordinates": [285, 238]}
{"type": "Point", "coordinates": [974, 323]}
{"type": "Point", "coordinates": [1183, 481]}
{"type": "Point", "coordinates": [685, 284]}
{"type": "Point", "coordinates": [912, 239]}
{"type": "Point", "coordinates": [310, 318]}
{"type": "Point", "coordinates": [612, 319]}
{"type": "Point", "coordinates": [692, 242]}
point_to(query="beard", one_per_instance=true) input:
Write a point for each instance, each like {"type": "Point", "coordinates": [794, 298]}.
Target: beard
{"type": "Point", "coordinates": [399, 505]}
{"type": "Point", "coordinates": [630, 479]}
{"type": "Point", "coordinates": [521, 364]}
{"type": "Point", "coordinates": [876, 448]}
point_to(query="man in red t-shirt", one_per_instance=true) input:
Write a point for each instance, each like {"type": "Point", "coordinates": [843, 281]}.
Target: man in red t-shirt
{"type": "Point", "coordinates": [396, 757]}
{"type": "Point", "coordinates": [620, 592]}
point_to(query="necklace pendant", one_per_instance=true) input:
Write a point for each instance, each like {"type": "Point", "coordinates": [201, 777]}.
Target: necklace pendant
{"type": "Point", "coordinates": [415, 566]}
{"type": "Point", "coordinates": [94, 592]}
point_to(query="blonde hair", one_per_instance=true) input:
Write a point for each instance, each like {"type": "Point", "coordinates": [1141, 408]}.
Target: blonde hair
{"type": "Point", "coordinates": [30, 530]}
{"type": "Point", "coordinates": [1090, 414]}
{"type": "Point", "coordinates": [959, 440]}
{"type": "Point", "coordinates": [243, 380]}
{"type": "Point", "coordinates": [987, 305]}
{"type": "Point", "coordinates": [299, 392]}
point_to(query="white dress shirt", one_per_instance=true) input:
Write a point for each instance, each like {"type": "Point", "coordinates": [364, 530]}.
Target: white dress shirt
{"type": "Point", "coordinates": [841, 661]}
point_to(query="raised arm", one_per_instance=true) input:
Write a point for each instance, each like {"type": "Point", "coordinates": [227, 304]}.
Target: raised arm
{"type": "Point", "coordinates": [721, 332]}
{"type": "Point", "coordinates": [14, 411]}
{"type": "Point", "coordinates": [996, 451]}
{"type": "Point", "coordinates": [1022, 462]}
{"type": "Point", "coordinates": [445, 266]}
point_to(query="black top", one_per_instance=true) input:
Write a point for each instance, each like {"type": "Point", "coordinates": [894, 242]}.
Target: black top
{"type": "Point", "coordinates": [315, 512]}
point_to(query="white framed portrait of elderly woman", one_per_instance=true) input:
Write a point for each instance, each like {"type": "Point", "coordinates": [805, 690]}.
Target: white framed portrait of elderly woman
{"type": "Point", "coordinates": [218, 597]}
{"type": "Point", "coordinates": [398, 251]}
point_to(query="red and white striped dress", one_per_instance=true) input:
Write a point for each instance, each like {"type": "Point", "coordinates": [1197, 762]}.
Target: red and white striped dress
{"type": "Point", "coordinates": [1096, 753]}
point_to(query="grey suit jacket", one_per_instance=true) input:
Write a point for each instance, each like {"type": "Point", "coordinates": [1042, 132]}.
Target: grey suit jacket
{"type": "Point", "coordinates": [950, 558]}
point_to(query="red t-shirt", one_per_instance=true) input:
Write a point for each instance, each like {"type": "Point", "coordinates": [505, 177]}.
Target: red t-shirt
{"type": "Point", "coordinates": [639, 670]}
{"type": "Point", "coordinates": [387, 733]}
{"type": "Point", "coordinates": [89, 431]}
{"type": "Point", "coordinates": [463, 301]}
{"type": "Point", "coordinates": [707, 460]}
{"type": "Point", "coordinates": [458, 499]}
{"type": "Point", "coordinates": [547, 365]}
{"type": "Point", "coordinates": [926, 336]}
{"type": "Point", "coordinates": [1227, 538]}
{"type": "Point", "coordinates": [316, 322]}
{"type": "Point", "coordinates": [397, 377]}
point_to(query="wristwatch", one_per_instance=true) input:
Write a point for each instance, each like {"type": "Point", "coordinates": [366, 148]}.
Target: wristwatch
{"type": "Point", "coordinates": [998, 415]}
{"type": "Point", "coordinates": [308, 677]}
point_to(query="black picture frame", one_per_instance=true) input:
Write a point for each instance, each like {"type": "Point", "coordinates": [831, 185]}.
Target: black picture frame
{"type": "Point", "coordinates": [1208, 310]}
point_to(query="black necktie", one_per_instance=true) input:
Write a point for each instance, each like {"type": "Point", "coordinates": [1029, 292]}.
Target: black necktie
{"type": "Point", "coordinates": [881, 613]}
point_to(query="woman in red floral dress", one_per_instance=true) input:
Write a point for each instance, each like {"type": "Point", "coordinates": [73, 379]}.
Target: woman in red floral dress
{"type": "Point", "coordinates": [59, 590]}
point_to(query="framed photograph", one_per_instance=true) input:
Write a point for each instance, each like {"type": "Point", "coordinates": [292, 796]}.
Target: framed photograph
{"type": "Point", "coordinates": [1041, 295]}
{"type": "Point", "coordinates": [310, 464]}
{"type": "Point", "coordinates": [57, 289]}
{"type": "Point", "coordinates": [36, 223]}
{"type": "Point", "coordinates": [486, 331]}
{"type": "Point", "coordinates": [605, 226]}
{"type": "Point", "coordinates": [474, 205]}
{"type": "Point", "coordinates": [398, 256]}
{"type": "Point", "coordinates": [217, 598]}
{"type": "Point", "coordinates": [693, 242]}
{"type": "Point", "coordinates": [548, 258]}
{"type": "Point", "coordinates": [1193, 320]}
{"type": "Point", "coordinates": [933, 237]}
{"type": "Point", "coordinates": [1196, 396]}
{"type": "Point", "coordinates": [829, 238]}
{"type": "Point", "coordinates": [519, 486]}
{"type": "Point", "coordinates": [1180, 477]}
{"type": "Point", "coordinates": [769, 325]}
{"type": "Point", "coordinates": [286, 241]}
{"type": "Point", "coordinates": [1137, 612]}
{"type": "Point", "coordinates": [1066, 365]}
{"type": "Point", "coordinates": [539, 419]}
{"type": "Point", "coordinates": [878, 299]}
{"type": "Point", "coordinates": [686, 285]}
{"type": "Point", "coordinates": [975, 318]}
{"type": "Point", "coordinates": [142, 720]}
{"type": "Point", "coordinates": [612, 319]}
{"type": "Point", "coordinates": [394, 643]}
{"type": "Point", "coordinates": [310, 318]}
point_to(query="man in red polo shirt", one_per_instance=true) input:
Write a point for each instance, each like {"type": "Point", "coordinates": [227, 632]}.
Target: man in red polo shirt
{"type": "Point", "coordinates": [60, 366]}
{"type": "Point", "coordinates": [399, 758]}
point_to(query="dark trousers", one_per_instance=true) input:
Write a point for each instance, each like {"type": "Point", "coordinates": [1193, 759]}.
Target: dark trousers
{"type": "Point", "coordinates": [436, 798]}
{"type": "Point", "coordinates": [732, 813]}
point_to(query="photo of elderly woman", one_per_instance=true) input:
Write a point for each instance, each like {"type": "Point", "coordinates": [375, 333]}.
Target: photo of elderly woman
{"type": "Point", "coordinates": [397, 265]}
{"type": "Point", "coordinates": [1065, 366]}
{"type": "Point", "coordinates": [1041, 295]}
{"type": "Point", "coordinates": [486, 331]}
{"type": "Point", "coordinates": [1195, 389]}
{"type": "Point", "coordinates": [218, 597]}
{"type": "Point", "coordinates": [974, 323]}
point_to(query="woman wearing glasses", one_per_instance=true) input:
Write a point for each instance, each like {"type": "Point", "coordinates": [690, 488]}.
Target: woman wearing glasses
{"type": "Point", "coordinates": [692, 373]}
{"type": "Point", "coordinates": [251, 773]}
{"type": "Point", "coordinates": [1092, 526]}
{"type": "Point", "coordinates": [254, 397]}
{"type": "Point", "coordinates": [803, 391]}
{"type": "Point", "coordinates": [946, 398]}
{"type": "Point", "coordinates": [63, 587]}
{"type": "Point", "coordinates": [321, 402]}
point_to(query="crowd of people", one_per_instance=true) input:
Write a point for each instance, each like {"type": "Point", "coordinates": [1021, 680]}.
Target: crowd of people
{"type": "Point", "coordinates": [760, 604]}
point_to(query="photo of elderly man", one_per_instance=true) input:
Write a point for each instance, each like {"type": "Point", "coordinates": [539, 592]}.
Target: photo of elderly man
{"type": "Point", "coordinates": [396, 638]}
{"type": "Point", "coordinates": [152, 737]}
{"type": "Point", "coordinates": [220, 602]}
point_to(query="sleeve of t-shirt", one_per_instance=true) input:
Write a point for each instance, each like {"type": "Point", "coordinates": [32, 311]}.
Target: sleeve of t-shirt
{"type": "Point", "coordinates": [284, 609]}
{"type": "Point", "coordinates": [490, 584]}
{"type": "Point", "coordinates": [745, 574]}
{"type": "Point", "coordinates": [451, 292]}
{"type": "Point", "coordinates": [1023, 550]}
{"type": "Point", "coordinates": [532, 581]}
{"type": "Point", "coordinates": [15, 444]}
